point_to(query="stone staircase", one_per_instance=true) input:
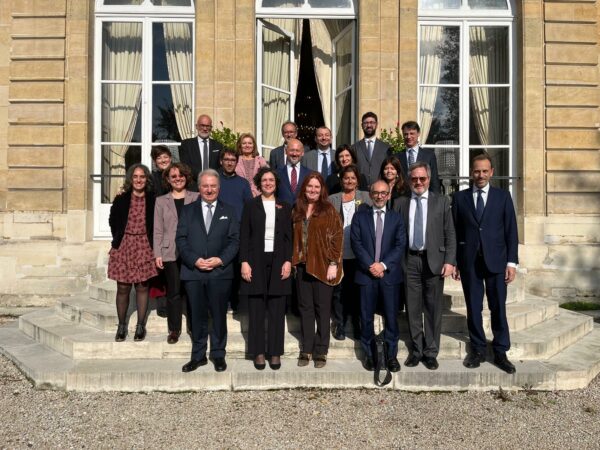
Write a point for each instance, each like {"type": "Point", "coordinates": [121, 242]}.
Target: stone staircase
{"type": "Point", "coordinates": [71, 346]}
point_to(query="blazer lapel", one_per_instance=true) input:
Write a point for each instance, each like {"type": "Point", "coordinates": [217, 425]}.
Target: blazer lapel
{"type": "Point", "coordinates": [216, 217]}
{"type": "Point", "coordinates": [200, 213]}
{"type": "Point", "coordinates": [189, 198]}
{"type": "Point", "coordinates": [470, 204]}
{"type": "Point", "coordinates": [363, 148]}
{"type": "Point", "coordinates": [171, 204]}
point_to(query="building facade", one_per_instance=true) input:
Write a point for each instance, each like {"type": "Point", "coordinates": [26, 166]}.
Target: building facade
{"type": "Point", "coordinates": [89, 86]}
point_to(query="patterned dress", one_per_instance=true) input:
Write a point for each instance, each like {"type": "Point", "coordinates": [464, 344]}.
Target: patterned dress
{"type": "Point", "coordinates": [133, 261]}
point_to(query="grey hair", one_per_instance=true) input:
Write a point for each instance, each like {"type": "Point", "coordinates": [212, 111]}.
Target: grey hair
{"type": "Point", "coordinates": [210, 173]}
{"type": "Point", "coordinates": [419, 164]}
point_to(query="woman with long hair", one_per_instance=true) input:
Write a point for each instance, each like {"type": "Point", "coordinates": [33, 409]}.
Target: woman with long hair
{"type": "Point", "coordinates": [131, 261]}
{"type": "Point", "coordinates": [249, 162]}
{"type": "Point", "coordinates": [344, 157]}
{"type": "Point", "coordinates": [391, 173]}
{"type": "Point", "coordinates": [317, 256]}
{"type": "Point", "coordinates": [166, 216]}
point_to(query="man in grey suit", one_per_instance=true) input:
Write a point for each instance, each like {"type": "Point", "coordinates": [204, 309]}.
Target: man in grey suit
{"type": "Point", "coordinates": [321, 159]}
{"type": "Point", "coordinates": [430, 257]}
{"type": "Point", "coordinates": [371, 152]}
{"type": "Point", "coordinates": [411, 131]}
{"type": "Point", "coordinates": [277, 157]}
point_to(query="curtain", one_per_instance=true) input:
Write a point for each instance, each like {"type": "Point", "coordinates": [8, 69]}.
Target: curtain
{"type": "Point", "coordinates": [322, 53]}
{"type": "Point", "coordinates": [178, 46]}
{"type": "Point", "coordinates": [488, 66]}
{"type": "Point", "coordinates": [121, 61]}
{"type": "Point", "coordinates": [343, 87]}
{"type": "Point", "coordinates": [430, 66]}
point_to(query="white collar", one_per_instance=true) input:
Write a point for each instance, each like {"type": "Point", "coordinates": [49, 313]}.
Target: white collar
{"type": "Point", "coordinates": [382, 209]}
{"type": "Point", "coordinates": [423, 195]}
{"type": "Point", "coordinates": [484, 189]}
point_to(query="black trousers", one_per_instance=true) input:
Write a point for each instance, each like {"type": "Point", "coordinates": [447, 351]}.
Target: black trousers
{"type": "Point", "coordinates": [176, 298]}
{"type": "Point", "coordinates": [314, 303]}
{"type": "Point", "coordinates": [346, 299]}
{"type": "Point", "coordinates": [424, 291]}
{"type": "Point", "coordinates": [258, 305]}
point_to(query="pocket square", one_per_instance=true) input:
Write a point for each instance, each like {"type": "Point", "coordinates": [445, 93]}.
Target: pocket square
{"type": "Point", "coordinates": [223, 218]}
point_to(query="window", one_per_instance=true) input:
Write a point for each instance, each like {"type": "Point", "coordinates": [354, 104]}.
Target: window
{"type": "Point", "coordinates": [466, 88]}
{"type": "Point", "coordinates": [144, 78]}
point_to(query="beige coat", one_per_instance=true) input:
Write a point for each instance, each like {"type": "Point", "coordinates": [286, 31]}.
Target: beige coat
{"type": "Point", "coordinates": [165, 225]}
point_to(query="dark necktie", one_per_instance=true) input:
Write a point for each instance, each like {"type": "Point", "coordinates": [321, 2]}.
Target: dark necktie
{"type": "Point", "coordinates": [209, 216]}
{"type": "Point", "coordinates": [205, 155]}
{"type": "Point", "coordinates": [411, 156]}
{"type": "Point", "coordinates": [480, 206]}
{"type": "Point", "coordinates": [324, 169]}
{"type": "Point", "coordinates": [294, 179]}
{"type": "Point", "coordinates": [378, 235]}
{"type": "Point", "coordinates": [418, 225]}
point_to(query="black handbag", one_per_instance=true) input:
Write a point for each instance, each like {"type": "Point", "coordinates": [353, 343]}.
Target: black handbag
{"type": "Point", "coordinates": [381, 362]}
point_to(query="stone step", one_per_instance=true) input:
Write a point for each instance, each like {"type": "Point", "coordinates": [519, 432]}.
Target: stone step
{"type": "Point", "coordinates": [41, 285]}
{"type": "Point", "coordinates": [575, 367]}
{"type": "Point", "coordinates": [80, 341]}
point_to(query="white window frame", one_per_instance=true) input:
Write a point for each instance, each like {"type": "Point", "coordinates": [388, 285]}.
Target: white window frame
{"type": "Point", "coordinates": [147, 14]}
{"type": "Point", "coordinates": [493, 18]}
{"type": "Point", "coordinates": [306, 12]}
{"type": "Point", "coordinates": [350, 28]}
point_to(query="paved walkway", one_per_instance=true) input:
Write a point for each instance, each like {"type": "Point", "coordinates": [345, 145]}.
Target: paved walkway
{"type": "Point", "coordinates": [296, 418]}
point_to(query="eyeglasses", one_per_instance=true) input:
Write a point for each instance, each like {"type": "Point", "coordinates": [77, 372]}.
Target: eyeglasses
{"type": "Point", "coordinates": [379, 193]}
{"type": "Point", "coordinates": [421, 179]}
{"type": "Point", "coordinates": [201, 125]}
{"type": "Point", "coordinates": [229, 160]}
{"type": "Point", "coordinates": [369, 122]}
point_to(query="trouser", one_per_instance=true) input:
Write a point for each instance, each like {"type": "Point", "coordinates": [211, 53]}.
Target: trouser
{"type": "Point", "coordinates": [176, 298]}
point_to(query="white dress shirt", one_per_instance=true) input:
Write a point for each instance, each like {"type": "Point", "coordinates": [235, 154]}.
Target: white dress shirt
{"type": "Point", "coordinates": [411, 219]}
{"type": "Point", "coordinates": [269, 206]}
{"type": "Point", "coordinates": [205, 210]}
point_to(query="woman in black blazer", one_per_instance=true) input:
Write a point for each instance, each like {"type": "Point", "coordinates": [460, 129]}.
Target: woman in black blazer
{"type": "Point", "coordinates": [265, 256]}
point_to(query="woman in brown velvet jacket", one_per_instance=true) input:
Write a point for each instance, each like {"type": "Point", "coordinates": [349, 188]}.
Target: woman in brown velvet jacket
{"type": "Point", "coordinates": [317, 256]}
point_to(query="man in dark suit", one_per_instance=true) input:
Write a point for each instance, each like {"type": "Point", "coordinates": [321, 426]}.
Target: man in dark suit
{"type": "Point", "coordinates": [378, 241]}
{"type": "Point", "coordinates": [208, 241]}
{"type": "Point", "coordinates": [201, 152]}
{"type": "Point", "coordinates": [321, 159]}
{"type": "Point", "coordinates": [277, 157]}
{"type": "Point", "coordinates": [414, 153]}
{"type": "Point", "coordinates": [487, 257]}
{"type": "Point", "coordinates": [430, 257]}
{"type": "Point", "coordinates": [370, 152]}
{"type": "Point", "coordinates": [293, 173]}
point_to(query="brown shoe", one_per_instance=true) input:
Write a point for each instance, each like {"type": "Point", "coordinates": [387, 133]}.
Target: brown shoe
{"type": "Point", "coordinates": [304, 359]}
{"type": "Point", "coordinates": [173, 337]}
{"type": "Point", "coordinates": [320, 361]}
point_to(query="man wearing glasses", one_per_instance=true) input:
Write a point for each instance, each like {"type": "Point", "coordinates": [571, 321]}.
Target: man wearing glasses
{"type": "Point", "coordinates": [430, 258]}
{"type": "Point", "coordinates": [370, 152]}
{"type": "Point", "coordinates": [378, 241]}
{"type": "Point", "coordinates": [201, 152]}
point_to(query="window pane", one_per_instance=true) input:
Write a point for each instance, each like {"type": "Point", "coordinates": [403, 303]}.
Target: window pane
{"type": "Point", "coordinates": [499, 162]}
{"type": "Point", "coordinates": [275, 111]}
{"type": "Point", "coordinates": [172, 112]}
{"type": "Point", "coordinates": [282, 3]}
{"type": "Point", "coordinates": [120, 112]}
{"type": "Point", "coordinates": [330, 3]}
{"type": "Point", "coordinates": [116, 159]}
{"type": "Point", "coordinates": [488, 55]}
{"type": "Point", "coordinates": [489, 116]}
{"type": "Point", "coordinates": [123, 2]}
{"type": "Point", "coordinates": [172, 51]}
{"type": "Point", "coordinates": [439, 4]}
{"type": "Point", "coordinates": [448, 161]}
{"type": "Point", "coordinates": [439, 61]}
{"type": "Point", "coordinates": [343, 60]}
{"type": "Point", "coordinates": [122, 51]}
{"type": "Point", "coordinates": [172, 146]}
{"type": "Point", "coordinates": [171, 2]}
{"type": "Point", "coordinates": [488, 4]}
{"type": "Point", "coordinates": [343, 111]}
{"type": "Point", "coordinates": [276, 59]}
{"type": "Point", "coordinates": [439, 115]}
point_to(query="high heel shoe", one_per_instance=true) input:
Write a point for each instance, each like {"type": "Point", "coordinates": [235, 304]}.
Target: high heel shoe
{"type": "Point", "coordinates": [275, 365]}
{"type": "Point", "coordinates": [140, 332]}
{"type": "Point", "coordinates": [121, 332]}
{"type": "Point", "coordinates": [258, 365]}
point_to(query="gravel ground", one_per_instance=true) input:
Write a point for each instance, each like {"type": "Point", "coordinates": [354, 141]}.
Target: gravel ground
{"type": "Point", "coordinates": [295, 418]}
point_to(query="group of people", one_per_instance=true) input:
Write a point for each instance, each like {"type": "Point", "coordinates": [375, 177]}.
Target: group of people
{"type": "Point", "coordinates": [341, 233]}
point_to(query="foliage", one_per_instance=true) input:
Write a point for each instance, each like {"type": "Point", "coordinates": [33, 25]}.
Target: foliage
{"type": "Point", "coordinates": [393, 137]}
{"type": "Point", "coordinates": [225, 136]}
{"type": "Point", "coordinates": [580, 306]}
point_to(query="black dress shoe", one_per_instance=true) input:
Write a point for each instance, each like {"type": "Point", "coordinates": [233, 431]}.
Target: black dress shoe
{"type": "Point", "coordinates": [412, 361]}
{"type": "Point", "coordinates": [258, 365]}
{"type": "Point", "coordinates": [275, 365]}
{"type": "Point", "coordinates": [473, 360]}
{"type": "Point", "coordinates": [220, 364]}
{"type": "Point", "coordinates": [194, 364]}
{"type": "Point", "coordinates": [368, 364]}
{"type": "Point", "coordinates": [173, 337]}
{"type": "Point", "coordinates": [393, 365]}
{"type": "Point", "coordinates": [430, 362]}
{"type": "Point", "coordinates": [140, 333]}
{"type": "Point", "coordinates": [339, 334]}
{"type": "Point", "coordinates": [502, 362]}
{"type": "Point", "coordinates": [121, 333]}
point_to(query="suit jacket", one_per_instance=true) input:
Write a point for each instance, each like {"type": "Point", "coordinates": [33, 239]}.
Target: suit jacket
{"type": "Point", "coordinates": [277, 159]}
{"type": "Point", "coordinates": [119, 213]}
{"type": "Point", "coordinates": [371, 167]}
{"type": "Point", "coordinates": [440, 239]}
{"type": "Point", "coordinates": [311, 160]}
{"type": "Point", "coordinates": [361, 197]}
{"type": "Point", "coordinates": [496, 233]}
{"type": "Point", "coordinates": [424, 155]}
{"type": "Point", "coordinates": [259, 162]}
{"type": "Point", "coordinates": [165, 225]}
{"type": "Point", "coordinates": [252, 245]}
{"type": "Point", "coordinates": [194, 242]}
{"type": "Point", "coordinates": [284, 189]}
{"type": "Point", "coordinates": [334, 183]}
{"type": "Point", "coordinates": [393, 245]}
{"type": "Point", "coordinates": [189, 153]}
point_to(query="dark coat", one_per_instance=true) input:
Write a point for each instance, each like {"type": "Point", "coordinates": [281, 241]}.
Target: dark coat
{"type": "Point", "coordinates": [189, 153]}
{"type": "Point", "coordinates": [425, 155]}
{"type": "Point", "coordinates": [119, 212]}
{"type": "Point", "coordinates": [252, 241]}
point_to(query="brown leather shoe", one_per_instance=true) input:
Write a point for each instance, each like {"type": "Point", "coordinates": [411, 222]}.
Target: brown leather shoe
{"type": "Point", "coordinates": [320, 361]}
{"type": "Point", "coordinates": [304, 359]}
{"type": "Point", "coordinates": [173, 337]}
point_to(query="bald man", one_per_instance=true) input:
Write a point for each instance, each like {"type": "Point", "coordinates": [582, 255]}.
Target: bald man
{"type": "Point", "coordinates": [201, 152]}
